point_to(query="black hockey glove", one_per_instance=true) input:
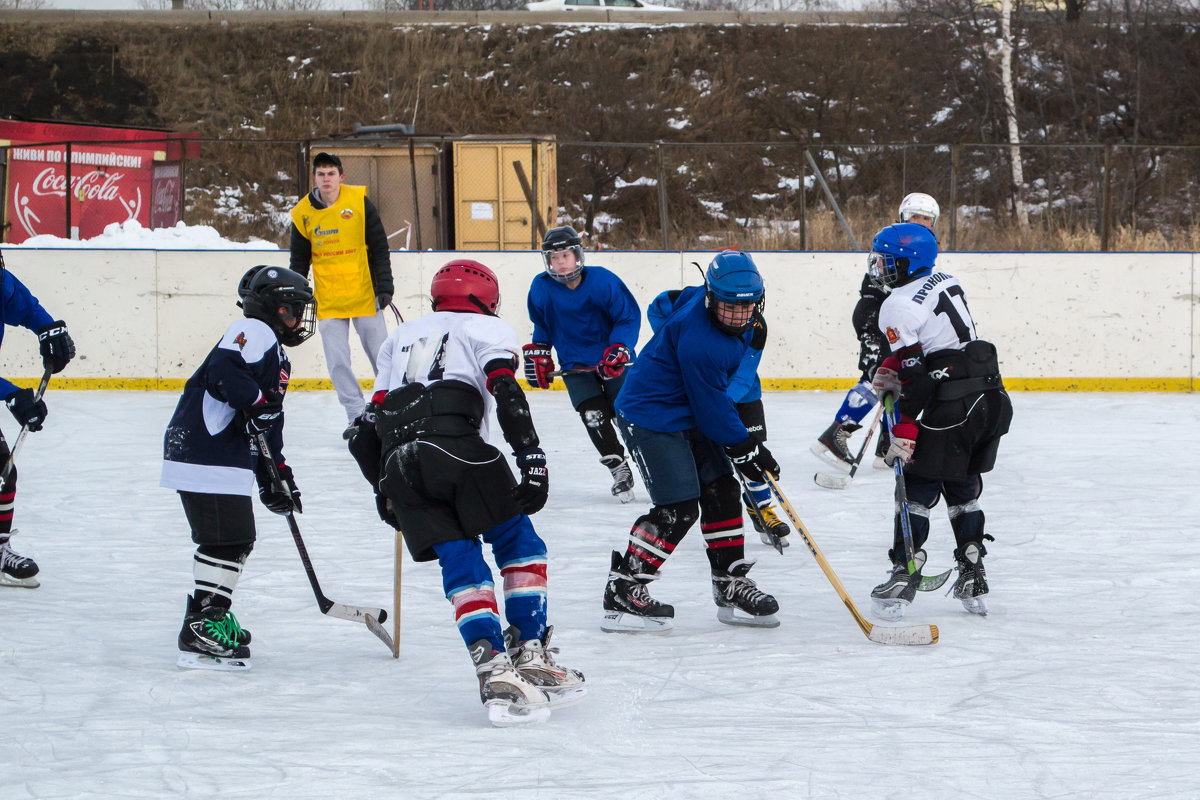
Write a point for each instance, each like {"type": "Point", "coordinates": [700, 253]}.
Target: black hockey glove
{"type": "Point", "coordinates": [277, 501]}
{"type": "Point", "coordinates": [384, 506]}
{"type": "Point", "coordinates": [535, 481]}
{"type": "Point", "coordinates": [383, 300]}
{"type": "Point", "coordinates": [753, 460]}
{"type": "Point", "coordinates": [57, 347]}
{"type": "Point", "coordinates": [29, 412]}
{"type": "Point", "coordinates": [758, 340]}
{"type": "Point", "coordinates": [259, 417]}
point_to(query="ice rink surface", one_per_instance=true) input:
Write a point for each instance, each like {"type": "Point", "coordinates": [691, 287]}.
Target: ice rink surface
{"type": "Point", "coordinates": [1081, 683]}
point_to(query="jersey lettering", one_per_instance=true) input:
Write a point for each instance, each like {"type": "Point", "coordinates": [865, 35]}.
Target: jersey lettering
{"type": "Point", "coordinates": [947, 304]}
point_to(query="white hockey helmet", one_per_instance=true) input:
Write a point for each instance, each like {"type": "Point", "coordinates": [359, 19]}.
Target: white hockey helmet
{"type": "Point", "coordinates": [920, 204]}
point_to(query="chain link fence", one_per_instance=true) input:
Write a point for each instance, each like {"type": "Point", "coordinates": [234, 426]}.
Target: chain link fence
{"type": "Point", "coordinates": [669, 196]}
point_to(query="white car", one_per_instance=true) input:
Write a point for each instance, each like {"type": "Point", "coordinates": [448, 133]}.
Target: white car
{"type": "Point", "coordinates": [595, 5]}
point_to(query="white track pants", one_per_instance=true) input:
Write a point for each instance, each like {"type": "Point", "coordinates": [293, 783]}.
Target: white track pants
{"type": "Point", "coordinates": [335, 339]}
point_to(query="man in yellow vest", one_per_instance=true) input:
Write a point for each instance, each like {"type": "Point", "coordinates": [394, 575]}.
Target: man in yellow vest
{"type": "Point", "coordinates": [337, 231]}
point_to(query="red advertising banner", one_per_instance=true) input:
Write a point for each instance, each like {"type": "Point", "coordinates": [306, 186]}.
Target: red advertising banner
{"type": "Point", "coordinates": [164, 198]}
{"type": "Point", "coordinates": [107, 184]}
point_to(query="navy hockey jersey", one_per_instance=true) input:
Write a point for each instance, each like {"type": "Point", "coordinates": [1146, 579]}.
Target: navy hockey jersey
{"type": "Point", "coordinates": [205, 449]}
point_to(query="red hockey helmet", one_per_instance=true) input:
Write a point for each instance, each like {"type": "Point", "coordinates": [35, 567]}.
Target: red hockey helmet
{"type": "Point", "coordinates": [465, 285]}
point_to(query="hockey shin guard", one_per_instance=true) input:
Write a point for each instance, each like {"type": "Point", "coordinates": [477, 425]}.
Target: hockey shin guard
{"type": "Point", "coordinates": [597, 415]}
{"type": "Point", "coordinates": [521, 555]}
{"type": "Point", "coordinates": [467, 582]}
{"type": "Point", "coordinates": [721, 522]}
{"type": "Point", "coordinates": [215, 570]}
{"type": "Point", "coordinates": [858, 403]}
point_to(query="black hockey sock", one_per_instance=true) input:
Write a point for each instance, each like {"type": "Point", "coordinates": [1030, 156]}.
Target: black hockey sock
{"type": "Point", "coordinates": [656, 535]}
{"type": "Point", "coordinates": [721, 522]}
{"type": "Point", "coordinates": [215, 569]}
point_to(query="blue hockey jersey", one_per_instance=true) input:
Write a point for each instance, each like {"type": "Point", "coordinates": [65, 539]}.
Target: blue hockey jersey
{"type": "Point", "coordinates": [745, 386]}
{"type": "Point", "coordinates": [205, 449]}
{"type": "Point", "coordinates": [682, 377]}
{"type": "Point", "coordinates": [18, 307]}
{"type": "Point", "coordinates": [581, 323]}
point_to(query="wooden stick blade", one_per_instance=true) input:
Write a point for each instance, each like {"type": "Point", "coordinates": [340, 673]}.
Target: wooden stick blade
{"type": "Point", "coordinates": [905, 634]}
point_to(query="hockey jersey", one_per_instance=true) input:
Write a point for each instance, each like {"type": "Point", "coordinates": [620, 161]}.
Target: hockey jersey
{"type": "Point", "coordinates": [18, 307]}
{"type": "Point", "coordinates": [205, 450]}
{"type": "Point", "coordinates": [930, 311]}
{"type": "Point", "coordinates": [446, 345]}
{"type": "Point", "coordinates": [581, 323]}
{"type": "Point", "coordinates": [682, 377]}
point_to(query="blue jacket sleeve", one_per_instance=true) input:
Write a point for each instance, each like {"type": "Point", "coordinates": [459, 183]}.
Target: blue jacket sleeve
{"type": "Point", "coordinates": [19, 308]}
{"type": "Point", "coordinates": [745, 385]}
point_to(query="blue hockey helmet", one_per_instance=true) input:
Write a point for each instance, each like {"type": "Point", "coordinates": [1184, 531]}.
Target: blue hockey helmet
{"type": "Point", "coordinates": [901, 253]}
{"type": "Point", "coordinates": [734, 290]}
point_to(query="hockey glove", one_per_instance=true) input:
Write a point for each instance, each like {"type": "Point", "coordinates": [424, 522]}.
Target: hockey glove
{"type": "Point", "coordinates": [753, 460]}
{"type": "Point", "coordinates": [280, 502]}
{"type": "Point", "coordinates": [616, 359]}
{"type": "Point", "coordinates": [259, 417]}
{"type": "Point", "coordinates": [56, 345]}
{"type": "Point", "coordinates": [384, 506]}
{"type": "Point", "coordinates": [538, 365]}
{"type": "Point", "coordinates": [904, 441]}
{"type": "Point", "coordinates": [535, 481]}
{"type": "Point", "coordinates": [30, 412]}
{"type": "Point", "coordinates": [383, 300]}
{"type": "Point", "coordinates": [758, 324]}
{"type": "Point", "coordinates": [887, 378]}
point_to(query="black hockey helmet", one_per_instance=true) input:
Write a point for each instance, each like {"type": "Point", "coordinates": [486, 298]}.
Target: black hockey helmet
{"type": "Point", "coordinates": [563, 237]}
{"type": "Point", "coordinates": [281, 298]}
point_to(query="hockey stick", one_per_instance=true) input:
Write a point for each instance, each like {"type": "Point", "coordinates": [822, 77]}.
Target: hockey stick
{"type": "Point", "coordinates": [12, 458]}
{"type": "Point", "coordinates": [558, 373]}
{"type": "Point", "coordinates": [901, 492]}
{"type": "Point", "coordinates": [756, 512]}
{"type": "Point", "coordinates": [396, 595]}
{"type": "Point", "coordinates": [824, 479]}
{"type": "Point", "coordinates": [371, 617]}
{"type": "Point", "coordinates": [904, 634]}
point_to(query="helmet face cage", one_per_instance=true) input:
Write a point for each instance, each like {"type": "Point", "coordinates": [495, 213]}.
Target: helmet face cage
{"type": "Point", "coordinates": [282, 299]}
{"type": "Point", "coordinates": [902, 252]}
{"type": "Point", "coordinates": [560, 240]}
{"type": "Point", "coordinates": [734, 291]}
{"type": "Point", "coordinates": [882, 268]}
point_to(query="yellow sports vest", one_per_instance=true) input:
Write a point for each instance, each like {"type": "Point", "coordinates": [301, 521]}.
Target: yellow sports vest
{"type": "Point", "coordinates": [340, 272]}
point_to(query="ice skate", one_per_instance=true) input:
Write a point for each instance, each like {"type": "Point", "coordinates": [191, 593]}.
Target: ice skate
{"type": "Point", "coordinates": [971, 584]}
{"type": "Point", "coordinates": [769, 525]}
{"type": "Point", "coordinates": [15, 569]}
{"type": "Point", "coordinates": [739, 601]}
{"type": "Point", "coordinates": [211, 638]}
{"type": "Point", "coordinates": [890, 598]}
{"type": "Point", "coordinates": [832, 445]}
{"type": "Point", "coordinates": [510, 699]}
{"type": "Point", "coordinates": [622, 476]}
{"type": "Point", "coordinates": [534, 659]}
{"type": "Point", "coordinates": [628, 607]}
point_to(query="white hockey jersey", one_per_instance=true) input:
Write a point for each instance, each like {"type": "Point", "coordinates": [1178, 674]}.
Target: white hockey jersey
{"type": "Point", "coordinates": [446, 345]}
{"type": "Point", "coordinates": [930, 311]}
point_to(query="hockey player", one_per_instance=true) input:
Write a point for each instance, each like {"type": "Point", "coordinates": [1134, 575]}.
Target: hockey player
{"type": "Point", "coordinates": [437, 479]}
{"type": "Point", "coordinates": [681, 426]}
{"type": "Point", "coordinates": [951, 410]}
{"type": "Point", "coordinates": [592, 320]}
{"type": "Point", "coordinates": [833, 445]}
{"type": "Point", "coordinates": [746, 392]}
{"type": "Point", "coordinates": [210, 456]}
{"type": "Point", "coordinates": [19, 308]}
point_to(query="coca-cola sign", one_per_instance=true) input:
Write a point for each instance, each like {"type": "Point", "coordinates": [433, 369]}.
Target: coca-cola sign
{"type": "Point", "coordinates": [105, 185]}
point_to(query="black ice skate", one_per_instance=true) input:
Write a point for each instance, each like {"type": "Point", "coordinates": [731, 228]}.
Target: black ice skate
{"type": "Point", "coordinates": [889, 599]}
{"type": "Point", "coordinates": [622, 476]}
{"type": "Point", "coordinates": [628, 607]}
{"type": "Point", "coordinates": [734, 593]}
{"type": "Point", "coordinates": [833, 446]}
{"type": "Point", "coordinates": [971, 584]}
{"type": "Point", "coordinates": [769, 526]}
{"type": "Point", "coordinates": [534, 659]}
{"type": "Point", "coordinates": [211, 638]}
{"type": "Point", "coordinates": [15, 569]}
{"type": "Point", "coordinates": [510, 699]}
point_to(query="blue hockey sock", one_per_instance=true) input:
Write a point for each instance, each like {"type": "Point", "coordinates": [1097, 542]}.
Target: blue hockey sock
{"type": "Point", "coordinates": [858, 403]}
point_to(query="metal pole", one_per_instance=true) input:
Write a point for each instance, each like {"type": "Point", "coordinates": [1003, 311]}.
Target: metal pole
{"type": "Point", "coordinates": [1107, 205]}
{"type": "Point", "coordinates": [803, 206]}
{"type": "Point", "coordinates": [662, 197]}
{"type": "Point", "coordinates": [954, 196]}
{"type": "Point", "coordinates": [412, 168]}
{"type": "Point", "coordinates": [829, 196]}
{"type": "Point", "coordinates": [68, 193]}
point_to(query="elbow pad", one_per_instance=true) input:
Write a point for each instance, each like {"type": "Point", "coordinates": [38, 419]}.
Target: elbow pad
{"type": "Point", "coordinates": [512, 409]}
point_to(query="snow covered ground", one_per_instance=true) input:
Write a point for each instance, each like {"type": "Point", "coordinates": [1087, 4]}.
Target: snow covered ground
{"type": "Point", "coordinates": [1081, 683]}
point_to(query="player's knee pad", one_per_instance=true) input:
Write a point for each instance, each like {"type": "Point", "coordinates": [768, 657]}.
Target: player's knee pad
{"type": "Point", "coordinates": [720, 501]}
